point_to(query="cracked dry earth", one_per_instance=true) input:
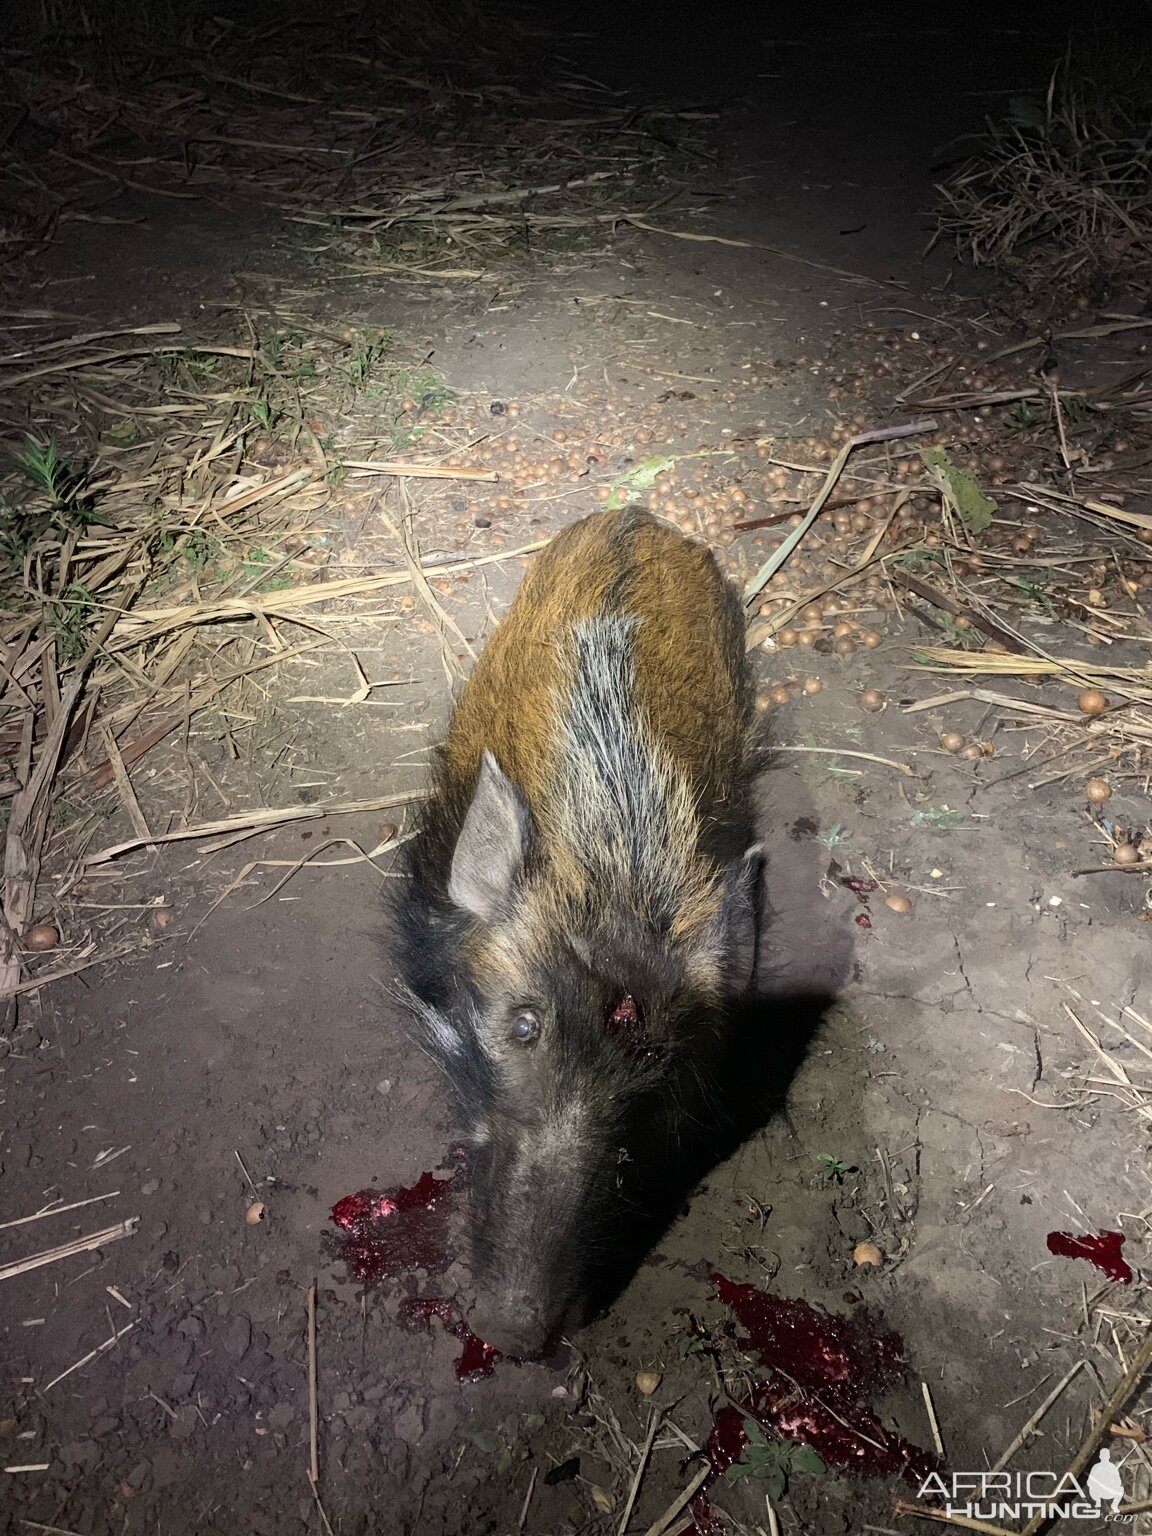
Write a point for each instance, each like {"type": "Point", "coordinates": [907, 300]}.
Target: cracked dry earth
{"type": "Point", "coordinates": [948, 1108]}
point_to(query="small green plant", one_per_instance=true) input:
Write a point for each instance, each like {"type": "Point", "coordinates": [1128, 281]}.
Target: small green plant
{"type": "Point", "coordinates": [936, 816]}
{"type": "Point", "coordinates": [963, 637]}
{"type": "Point", "coordinates": [60, 502]}
{"type": "Point", "coordinates": [182, 367]}
{"type": "Point", "coordinates": [68, 618]}
{"type": "Point", "coordinates": [635, 481]}
{"type": "Point", "coordinates": [833, 1170]}
{"type": "Point", "coordinates": [960, 490]}
{"type": "Point", "coordinates": [1022, 417]}
{"type": "Point", "coordinates": [1034, 591]}
{"type": "Point", "coordinates": [256, 566]}
{"type": "Point", "coordinates": [834, 837]}
{"type": "Point", "coordinates": [199, 549]}
{"type": "Point", "coordinates": [264, 413]}
{"type": "Point", "coordinates": [1078, 414]}
{"type": "Point", "coordinates": [63, 485]}
{"type": "Point", "coordinates": [917, 561]}
{"type": "Point", "coordinates": [774, 1462]}
{"type": "Point", "coordinates": [363, 355]}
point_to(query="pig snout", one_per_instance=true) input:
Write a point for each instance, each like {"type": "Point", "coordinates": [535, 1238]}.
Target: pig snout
{"type": "Point", "coordinates": [515, 1323]}
{"type": "Point", "coordinates": [531, 1238]}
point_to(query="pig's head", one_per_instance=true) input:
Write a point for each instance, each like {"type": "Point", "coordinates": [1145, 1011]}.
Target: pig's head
{"type": "Point", "coordinates": [580, 1002]}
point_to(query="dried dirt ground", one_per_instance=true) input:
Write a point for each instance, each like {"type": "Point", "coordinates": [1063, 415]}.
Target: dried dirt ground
{"type": "Point", "coordinates": [948, 1108]}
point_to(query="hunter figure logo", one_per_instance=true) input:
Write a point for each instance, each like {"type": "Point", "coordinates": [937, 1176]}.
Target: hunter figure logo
{"type": "Point", "coordinates": [1001, 1496]}
{"type": "Point", "coordinates": [1105, 1484]}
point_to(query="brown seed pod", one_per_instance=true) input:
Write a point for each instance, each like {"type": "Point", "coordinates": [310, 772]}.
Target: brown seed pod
{"type": "Point", "coordinates": [872, 700]}
{"type": "Point", "coordinates": [844, 646]}
{"type": "Point", "coordinates": [867, 1253]}
{"type": "Point", "coordinates": [1092, 702]}
{"type": "Point", "coordinates": [254, 1215]}
{"type": "Point", "coordinates": [1126, 853]}
{"type": "Point", "coordinates": [812, 685]}
{"type": "Point", "coordinates": [781, 694]}
{"type": "Point", "coordinates": [870, 638]}
{"type": "Point", "coordinates": [973, 752]}
{"type": "Point", "coordinates": [1098, 791]}
{"type": "Point", "coordinates": [952, 741]}
{"type": "Point", "coordinates": [898, 903]}
{"type": "Point", "coordinates": [648, 1381]}
{"type": "Point", "coordinates": [41, 936]}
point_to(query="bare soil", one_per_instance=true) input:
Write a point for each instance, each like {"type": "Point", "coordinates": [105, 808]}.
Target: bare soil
{"type": "Point", "coordinates": [947, 1108]}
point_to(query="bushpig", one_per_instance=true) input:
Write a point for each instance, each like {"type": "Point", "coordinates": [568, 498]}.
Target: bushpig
{"type": "Point", "coordinates": [581, 897]}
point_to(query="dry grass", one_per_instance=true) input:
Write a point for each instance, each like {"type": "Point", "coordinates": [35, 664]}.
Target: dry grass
{"type": "Point", "coordinates": [1066, 182]}
{"type": "Point", "coordinates": [159, 491]}
{"type": "Point", "coordinates": [399, 144]}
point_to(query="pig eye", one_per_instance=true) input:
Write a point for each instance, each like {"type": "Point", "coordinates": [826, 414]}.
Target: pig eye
{"type": "Point", "coordinates": [525, 1028]}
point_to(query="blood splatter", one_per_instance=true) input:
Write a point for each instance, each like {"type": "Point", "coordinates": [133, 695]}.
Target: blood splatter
{"type": "Point", "coordinates": [862, 920]}
{"type": "Point", "coordinates": [708, 1520]}
{"type": "Point", "coordinates": [1101, 1249]}
{"type": "Point", "coordinates": [822, 1369]}
{"type": "Point", "coordinates": [860, 888]}
{"type": "Point", "coordinates": [477, 1359]}
{"type": "Point", "coordinates": [385, 1235]}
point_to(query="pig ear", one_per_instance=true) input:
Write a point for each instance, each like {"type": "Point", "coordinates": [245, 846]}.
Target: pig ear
{"type": "Point", "coordinates": [740, 915]}
{"type": "Point", "coordinates": [492, 846]}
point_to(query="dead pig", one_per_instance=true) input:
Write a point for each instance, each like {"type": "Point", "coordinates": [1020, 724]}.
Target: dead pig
{"type": "Point", "coordinates": [580, 900]}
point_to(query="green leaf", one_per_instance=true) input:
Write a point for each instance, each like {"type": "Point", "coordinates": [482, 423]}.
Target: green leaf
{"type": "Point", "coordinates": [805, 1459]}
{"type": "Point", "coordinates": [960, 488]}
{"type": "Point", "coordinates": [641, 477]}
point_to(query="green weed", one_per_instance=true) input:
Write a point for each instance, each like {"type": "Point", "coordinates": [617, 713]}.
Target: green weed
{"type": "Point", "coordinates": [833, 1170]}
{"type": "Point", "coordinates": [774, 1462]}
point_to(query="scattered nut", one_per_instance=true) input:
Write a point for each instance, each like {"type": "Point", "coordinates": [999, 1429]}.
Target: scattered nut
{"type": "Point", "coordinates": [1098, 790]}
{"type": "Point", "coordinates": [254, 1215]}
{"type": "Point", "coordinates": [787, 636]}
{"type": "Point", "coordinates": [1092, 702]}
{"type": "Point", "coordinates": [812, 685]}
{"type": "Point", "coordinates": [973, 752]}
{"type": "Point", "coordinates": [385, 832]}
{"type": "Point", "coordinates": [952, 741]}
{"type": "Point", "coordinates": [1126, 853]}
{"type": "Point", "coordinates": [41, 936]}
{"type": "Point", "coordinates": [781, 694]}
{"type": "Point", "coordinates": [872, 700]}
{"type": "Point", "coordinates": [648, 1381]}
{"type": "Point", "coordinates": [898, 903]}
{"type": "Point", "coordinates": [844, 646]}
{"type": "Point", "coordinates": [867, 1253]}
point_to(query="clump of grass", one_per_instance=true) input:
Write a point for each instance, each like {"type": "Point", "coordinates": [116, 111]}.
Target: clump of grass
{"type": "Point", "coordinates": [1066, 181]}
{"type": "Point", "coordinates": [55, 502]}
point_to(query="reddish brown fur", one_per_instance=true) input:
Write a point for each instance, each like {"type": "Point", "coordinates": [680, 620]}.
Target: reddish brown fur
{"type": "Point", "coordinates": [689, 681]}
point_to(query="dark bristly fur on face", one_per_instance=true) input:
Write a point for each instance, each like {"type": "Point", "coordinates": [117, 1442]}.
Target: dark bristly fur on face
{"type": "Point", "coordinates": [580, 899]}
